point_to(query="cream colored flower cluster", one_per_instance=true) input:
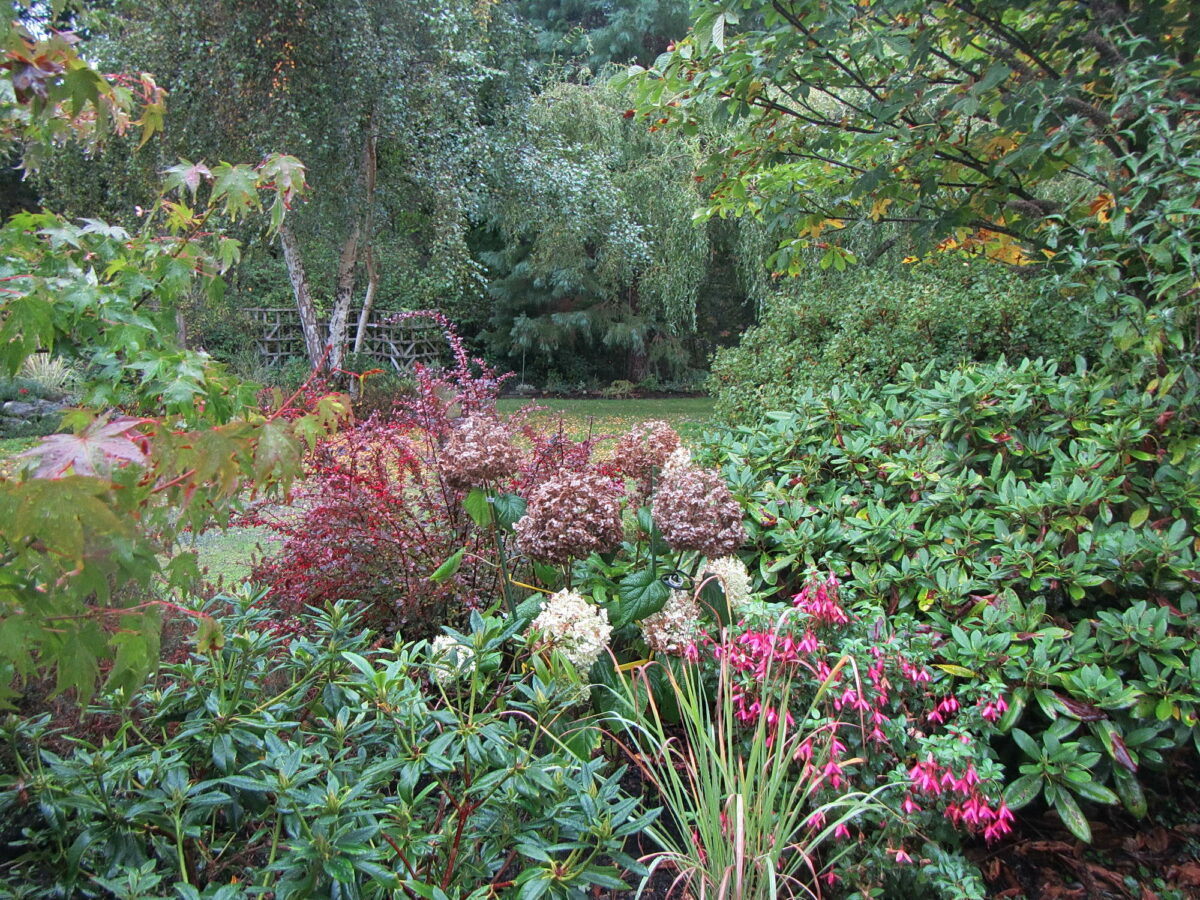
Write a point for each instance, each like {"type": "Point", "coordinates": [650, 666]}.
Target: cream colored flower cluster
{"type": "Point", "coordinates": [575, 627]}
{"type": "Point", "coordinates": [451, 660]}
{"type": "Point", "coordinates": [479, 450]}
{"type": "Point", "coordinates": [695, 511]}
{"type": "Point", "coordinates": [570, 517]}
{"type": "Point", "coordinates": [735, 580]}
{"type": "Point", "coordinates": [674, 628]}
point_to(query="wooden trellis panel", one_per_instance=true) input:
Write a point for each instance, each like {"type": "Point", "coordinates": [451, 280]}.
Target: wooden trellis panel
{"type": "Point", "coordinates": [395, 345]}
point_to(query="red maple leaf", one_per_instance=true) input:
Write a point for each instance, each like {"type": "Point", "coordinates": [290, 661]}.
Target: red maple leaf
{"type": "Point", "coordinates": [96, 450]}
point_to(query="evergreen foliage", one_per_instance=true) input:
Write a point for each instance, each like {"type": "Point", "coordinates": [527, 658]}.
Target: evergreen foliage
{"type": "Point", "coordinates": [593, 33]}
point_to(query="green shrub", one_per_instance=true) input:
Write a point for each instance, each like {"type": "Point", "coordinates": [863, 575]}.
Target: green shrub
{"type": "Point", "coordinates": [1043, 522]}
{"type": "Point", "coordinates": [865, 324]}
{"type": "Point", "coordinates": [316, 766]}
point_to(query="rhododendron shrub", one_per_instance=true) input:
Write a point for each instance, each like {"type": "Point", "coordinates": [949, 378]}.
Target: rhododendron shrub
{"type": "Point", "coordinates": [875, 710]}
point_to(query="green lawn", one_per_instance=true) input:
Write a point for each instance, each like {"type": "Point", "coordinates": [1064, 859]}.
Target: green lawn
{"type": "Point", "coordinates": [689, 415]}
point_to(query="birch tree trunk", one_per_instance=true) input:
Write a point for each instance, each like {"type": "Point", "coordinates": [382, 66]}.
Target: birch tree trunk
{"type": "Point", "coordinates": [370, 167]}
{"type": "Point", "coordinates": [313, 345]}
{"type": "Point", "coordinates": [343, 294]}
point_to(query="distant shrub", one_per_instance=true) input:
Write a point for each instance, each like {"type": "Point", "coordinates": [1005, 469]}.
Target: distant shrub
{"type": "Point", "coordinates": [865, 324]}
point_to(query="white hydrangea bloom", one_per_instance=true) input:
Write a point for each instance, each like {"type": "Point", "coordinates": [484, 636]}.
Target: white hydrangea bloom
{"type": "Point", "coordinates": [680, 458]}
{"type": "Point", "coordinates": [734, 578]}
{"type": "Point", "coordinates": [673, 629]}
{"type": "Point", "coordinates": [577, 628]}
{"type": "Point", "coordinates": [451, 660]}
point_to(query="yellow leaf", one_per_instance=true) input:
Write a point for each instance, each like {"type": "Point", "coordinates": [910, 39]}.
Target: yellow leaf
{"type": "Point", "coordinates": [879, 207]}
{"type": "Point", "coordinates": [957, 671]}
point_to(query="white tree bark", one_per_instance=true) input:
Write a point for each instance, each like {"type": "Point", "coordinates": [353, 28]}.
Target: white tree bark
{"type": "Point", "coordinates": [342, 296]}
{"type": "Point", "coordinates": [369, 166]}
{"type": "Point", "coordinates": [313, 345]}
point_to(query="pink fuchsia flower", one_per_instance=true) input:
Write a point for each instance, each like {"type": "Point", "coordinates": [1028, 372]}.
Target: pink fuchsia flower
{"type": "Point", "coordinates": [841, 831]}
{"type": "Point", "coordinates": [924, 776]}
{"type": "Point", "coordinates": [832, 772]}
{"type": "Point", "coordinates": [1001, 825]}
{"type": "Point", "coordinates": [992, 710]}
{"type": "Point", "coordinates": [902, 858]}
{"type": "Point", "coordinates": [819, 598]}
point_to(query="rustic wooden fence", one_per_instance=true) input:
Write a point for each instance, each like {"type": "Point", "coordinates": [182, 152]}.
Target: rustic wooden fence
{"type": "Point", "coordinates": [398, 345]}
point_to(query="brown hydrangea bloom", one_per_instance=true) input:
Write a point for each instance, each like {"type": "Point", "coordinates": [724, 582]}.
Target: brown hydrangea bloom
{"type": "Point", "coordinates": [695, 511]}
{"type": "Point", "coordinates": [478, 451]}
{"type": "Point", "coordinates": [645, 448]}
{"type": "Point", "coordinates": [570, 517]}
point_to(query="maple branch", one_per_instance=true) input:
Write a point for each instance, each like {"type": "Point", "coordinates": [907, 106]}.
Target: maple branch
{"type": "Point", "coordinates": [287, 404]}
{"type": "Point", "coordinates": [174, 481]}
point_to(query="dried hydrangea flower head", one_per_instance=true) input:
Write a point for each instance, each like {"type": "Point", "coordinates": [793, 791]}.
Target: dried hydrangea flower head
{"type": "Point", "coordinates": [478, 451]}
{"type": "Point", "coordinates": [570, 517]}
{"type": "Point", "coordinates": [451, 660]}
{"type": "Point", "coordinates": [677, 459]}
{"type": "Point", "coordinates": [695, 511]}
{"type": "Point", "coordinates": [645, 448]}
{"type": "Point", "coordinates": [573, 626]}
{"type": "Point", "coordinates": [674, 628]}
{"type": "Point", "coordinates": [734, 578]}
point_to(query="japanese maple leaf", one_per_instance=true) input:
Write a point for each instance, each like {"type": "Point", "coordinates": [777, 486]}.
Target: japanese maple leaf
{"type": "Point", "coordinates": [94, 451]}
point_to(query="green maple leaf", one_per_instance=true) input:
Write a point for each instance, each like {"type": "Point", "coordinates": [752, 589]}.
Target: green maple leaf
{"type": "Point", "coordinates": [238, 187]}
{"type": "Point", "coordinates": [187, 175]}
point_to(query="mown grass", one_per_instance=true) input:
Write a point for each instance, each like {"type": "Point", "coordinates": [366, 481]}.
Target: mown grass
{"type": "Point", "coordinates": [582, 418]}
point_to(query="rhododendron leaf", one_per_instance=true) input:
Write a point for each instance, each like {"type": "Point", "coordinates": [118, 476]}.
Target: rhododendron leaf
{"type": "Point", "coordinates": [1097, 793]}
{"type": "Point", "coordinates": [1073, 817]}
{"type": "Point", "coordinates": [958, 671]}
{"type": "Point", "coordinates": [1129, 789]}
{"type": "Point", "coordinates": [642, 594]}
{"type": "Point", "coordinates": [1022, 791]}
{"type": "Point", "coordinates": [450, 567]}
{"type": "Point", "coordinates": [1016, 707]}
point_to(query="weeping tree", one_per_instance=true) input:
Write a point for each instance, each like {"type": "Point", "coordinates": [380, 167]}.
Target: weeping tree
{"type": "Point", "coordinates": [592, 33]}
{"type": "Point", "coordinates": [381, 99]}
{"type": "Point", "coordinates": [587, 237]}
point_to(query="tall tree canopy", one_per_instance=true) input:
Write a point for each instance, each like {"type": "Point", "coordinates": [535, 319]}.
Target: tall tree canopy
{"type": "Point", "coordinates": [597, 32]}
{"type": "Point", "coordinates": [1062, 134]}
{"type": "Point", "coordinates": [383, 100]}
